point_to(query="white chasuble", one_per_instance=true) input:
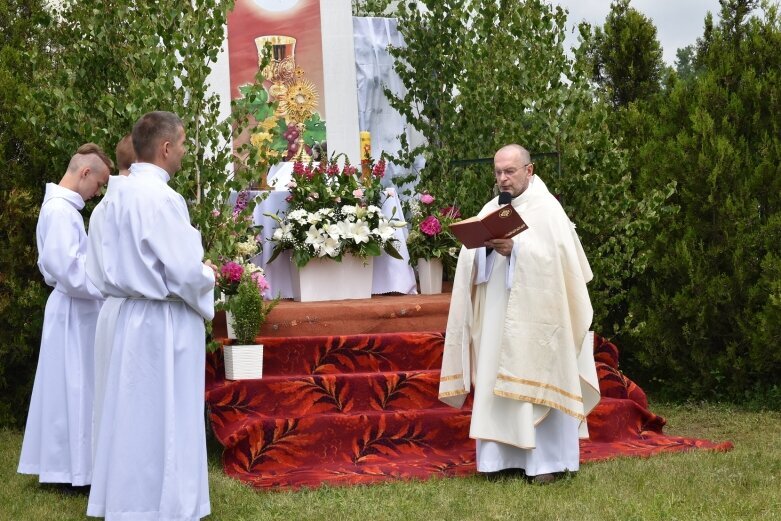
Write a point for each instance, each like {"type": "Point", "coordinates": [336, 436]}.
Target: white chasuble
{"type": "Point", "coordinates": [57, 438]}
{"type": "Point", "coordinates": [516, 335]}
{"type": "Point", "coordinates": [150, 449]}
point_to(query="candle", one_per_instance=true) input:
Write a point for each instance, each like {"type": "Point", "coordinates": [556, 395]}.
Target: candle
{"type": "Point", "coordinates": [366, 145]}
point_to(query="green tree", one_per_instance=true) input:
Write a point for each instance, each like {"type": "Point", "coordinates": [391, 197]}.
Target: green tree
{"type": "Point", "coordinates": [87, 74]}
{"type": "Point", "coordinates": [480, 75]}
{"type": "Point", "coordinates": [711, 301]}
{"type": "Point", "coordinates": [626, 55]}
{"type": "Point", "coordinates": [23, 25]}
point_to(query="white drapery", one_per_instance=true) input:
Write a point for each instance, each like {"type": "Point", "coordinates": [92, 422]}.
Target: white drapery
{"type": "Point", "coordinates": [374, 72]}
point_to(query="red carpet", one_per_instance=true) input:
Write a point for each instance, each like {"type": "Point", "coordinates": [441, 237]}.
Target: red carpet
{"type": "Point", "coordinates": [363, 409]}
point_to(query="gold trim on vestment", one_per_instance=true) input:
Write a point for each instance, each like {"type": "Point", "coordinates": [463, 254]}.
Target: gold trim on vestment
{"type": "Point", "coordinates": [448, 394]}
{"type": "Point", "coordinates": [459, 376]}
{"type": "Point", "coordinates": [538, 384]}
{"type": "Point", "coordinates": [538, 401]}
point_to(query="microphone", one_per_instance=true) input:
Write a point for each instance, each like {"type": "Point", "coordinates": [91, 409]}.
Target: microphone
{"type": "Point", "coordinates": [505, 198]}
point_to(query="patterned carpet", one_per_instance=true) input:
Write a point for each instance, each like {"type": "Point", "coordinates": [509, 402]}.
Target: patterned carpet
{"type": "Point", "coordinates": [355, 409]}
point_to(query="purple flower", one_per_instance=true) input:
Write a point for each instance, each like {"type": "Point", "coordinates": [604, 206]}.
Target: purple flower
{"type": "Point", "coordinates": [241, 202]}
{"type": "Point", "coordinates": [430, 226]}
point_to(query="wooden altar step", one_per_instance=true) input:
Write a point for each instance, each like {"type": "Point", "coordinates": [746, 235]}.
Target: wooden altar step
{"type": "Point", "coordinates": [379, 314]}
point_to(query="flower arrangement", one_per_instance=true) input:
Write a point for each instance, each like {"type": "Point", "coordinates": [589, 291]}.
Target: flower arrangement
{"type": "Point", "coordinates": [333, 212]}
{"type": "Point", "coordinates": [429, 237]}
{"type": "Point", "coordinates": [247, 307]}
{"type": "Point", "coordinates": [239, 247]}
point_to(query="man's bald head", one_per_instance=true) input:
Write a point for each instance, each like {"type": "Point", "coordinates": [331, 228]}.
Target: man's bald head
{"type": "Point", "coordinates": [513, 169]}
{"type": "Point", "coordinates": [522, 154]}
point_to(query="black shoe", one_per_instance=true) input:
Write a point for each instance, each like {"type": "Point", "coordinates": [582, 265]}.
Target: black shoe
{"type": "Point", "coordinates": [501, 475]}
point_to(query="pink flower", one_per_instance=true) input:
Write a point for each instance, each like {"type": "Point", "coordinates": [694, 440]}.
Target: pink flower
{"type": "Point", "coordinates": [426, 198]}
{"type": "Point", "coordinates": [450, 211]}
{"type": "Point", "coordinates": [358, 193]}
{"type": "Point", "coordinates": [215, 213]}
{"type": "Point", "coordinates": [292, 184]}
{"type": "Point", "coordinates": [379, 169]}
{"type": "Point", "coordinates": [231, 272]}
{"type": "Point", "coordinates": [260, 280]}
{"type": "Point", "coordinates": [332, 170]}
{"type": "Point", "coordinates": [430, 226]}
{"type": "Point", "coordinates": [298, 168]}
{"type": "Point", "coordinates": [288, 198]}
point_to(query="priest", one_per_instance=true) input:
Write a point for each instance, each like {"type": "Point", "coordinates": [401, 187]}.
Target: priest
{"type": "Point", "coordinates": [150, 451]}
{"type": "Point", "coordinates": [57, 439]}
{"type": "Point", "coordinates": [518, 332]}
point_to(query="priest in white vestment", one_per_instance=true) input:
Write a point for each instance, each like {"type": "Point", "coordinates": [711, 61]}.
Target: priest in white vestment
{"type": "Point", "coordinates": [518, 332]}
{"type": "Point", "coordinates": [150, 451]}
{"type": "Point", "coordinates": [58, 437]}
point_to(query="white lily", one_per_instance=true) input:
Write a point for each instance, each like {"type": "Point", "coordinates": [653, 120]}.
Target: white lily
{"type": "Point", "coordinates": [359, 232]}
{"type": "Point", "coordinates": [330, 248]}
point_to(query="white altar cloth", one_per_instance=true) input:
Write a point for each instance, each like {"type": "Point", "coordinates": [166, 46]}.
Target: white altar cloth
{"type": "Point", "coordinates": [390, 275]}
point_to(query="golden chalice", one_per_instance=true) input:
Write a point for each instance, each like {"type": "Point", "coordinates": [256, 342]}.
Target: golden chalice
{"type": "Point", "coordinates": [281, 69]}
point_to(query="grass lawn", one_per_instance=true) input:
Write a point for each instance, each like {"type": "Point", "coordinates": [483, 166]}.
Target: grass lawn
{"type": "Point", "coordinates": [743, 484]}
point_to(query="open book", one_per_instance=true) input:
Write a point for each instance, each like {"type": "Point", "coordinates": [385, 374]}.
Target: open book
{"type": "Point", "coordinates": [502, 223]}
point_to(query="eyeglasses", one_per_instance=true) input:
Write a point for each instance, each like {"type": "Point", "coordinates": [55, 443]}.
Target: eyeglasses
{"type": "Point", "coordinates": [509, 172]}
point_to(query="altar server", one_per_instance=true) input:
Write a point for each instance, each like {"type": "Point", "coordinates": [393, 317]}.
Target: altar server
{"type": "Point", "coordinates": [150, 453]}
{"type": "Point", "coordinates": [518, 331]}
{"type": "Point", "coordinates": [57, 439]}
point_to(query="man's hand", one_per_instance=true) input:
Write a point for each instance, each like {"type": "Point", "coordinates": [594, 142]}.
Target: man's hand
{"type": "Point", "coordinates": [502, 246]}
{"type": "Point", "coordinates": [212, 266]}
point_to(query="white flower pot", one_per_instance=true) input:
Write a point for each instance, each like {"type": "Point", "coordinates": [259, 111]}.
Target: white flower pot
{"type": "Point", "coordinates": [430, 276]}
{"type": "Point", "coordinates": [229, 324]}
{"type": "Point", "coordinates": [326, 279]}
{"type": "Point", "coordinates": [243, 362]}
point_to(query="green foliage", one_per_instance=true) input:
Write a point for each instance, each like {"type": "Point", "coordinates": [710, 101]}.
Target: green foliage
{"type": "Point", "coordinates": [248, 309]}
{"type": "Point", "coordinates": [85, 75]}
{"type": "Point", "coordinates": [480, 75]}
{"type": "Point", "coordinates": [371, 7]}
{"type": "Point", "coordinates": [710, 304]}
{"type": "Point", "coordinates": [24, 156]}
{"type": "Point", "coordinates": [626, 57]}
{"type": "Point", "coordinates": [429, 236]}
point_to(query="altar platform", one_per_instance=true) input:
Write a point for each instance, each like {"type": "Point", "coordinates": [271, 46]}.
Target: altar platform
{"type": "Point", "coordinates": [380, 314]}
{"type": "Point", "coordinates": [349, 396]}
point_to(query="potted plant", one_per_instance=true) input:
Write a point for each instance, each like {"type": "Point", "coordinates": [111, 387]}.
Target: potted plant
{"type": "Point", "coordinates": [431, 245]}
{"type": "Point", "coordinates": [334, 215]}
{"type": "Point", "coordinates": [248, 312]}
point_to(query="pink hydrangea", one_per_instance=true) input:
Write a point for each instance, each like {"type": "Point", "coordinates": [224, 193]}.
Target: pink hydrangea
{"type": "Point", "coordinates": [358, 192]}
{"type": "Point", "coordinates": [231, 272]}
{"type": "Point", "coordinates": [430, 226]}
{"type": "Point", "coordinates": [426, 198]}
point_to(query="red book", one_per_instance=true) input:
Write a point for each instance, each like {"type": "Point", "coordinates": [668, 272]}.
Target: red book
{"type": "Point", "coordinates": [502, 223]}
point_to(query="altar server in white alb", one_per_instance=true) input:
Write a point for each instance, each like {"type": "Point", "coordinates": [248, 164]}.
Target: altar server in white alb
{"type": "Point", "coordinates": [150, 453]}
{"type": "Point", "coordinates": [58, 436]}
{"type": "Point", "coordinates": [518, 331]}
{"type": "Point", "coordinates": [125, 156]}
